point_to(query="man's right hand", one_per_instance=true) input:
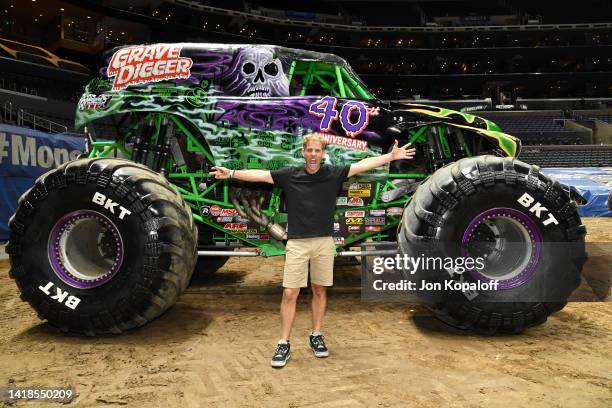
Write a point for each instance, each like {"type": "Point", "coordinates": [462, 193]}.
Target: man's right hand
{"type": "Point", "coordinates": [220, 172]}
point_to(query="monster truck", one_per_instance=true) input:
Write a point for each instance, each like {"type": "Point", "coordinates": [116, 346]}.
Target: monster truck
{"type": "Point", "coordinates": [108, 242]}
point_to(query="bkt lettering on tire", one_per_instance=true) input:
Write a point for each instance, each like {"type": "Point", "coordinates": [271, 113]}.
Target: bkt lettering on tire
{"type": "Point", "coordinates": [521, 222]}
{"type": "Point", "coordinates": [101, 246]}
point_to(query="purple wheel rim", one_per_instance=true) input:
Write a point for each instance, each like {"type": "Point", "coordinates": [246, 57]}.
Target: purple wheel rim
{"type": "Point", "coordinates": [73, 265]}
{"type": "Point", "coordinates": [529, 228]}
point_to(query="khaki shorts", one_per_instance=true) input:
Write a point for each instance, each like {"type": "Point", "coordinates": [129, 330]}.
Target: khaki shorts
{"type": "Point", "coordinates": [319, 252]}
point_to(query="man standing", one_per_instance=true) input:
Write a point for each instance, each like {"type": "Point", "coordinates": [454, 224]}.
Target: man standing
{"type": "Point", "coordinates": [310, 196]}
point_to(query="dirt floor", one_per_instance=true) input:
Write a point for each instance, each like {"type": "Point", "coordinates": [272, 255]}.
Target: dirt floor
{"type": "Point", "coordinates": [213, 348]}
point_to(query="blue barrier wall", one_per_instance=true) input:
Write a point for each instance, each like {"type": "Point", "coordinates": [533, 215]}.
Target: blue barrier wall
{"type": "Point", "coordinates": [592, 183]}
{"type": "Point", "coordinates": [25, 154]}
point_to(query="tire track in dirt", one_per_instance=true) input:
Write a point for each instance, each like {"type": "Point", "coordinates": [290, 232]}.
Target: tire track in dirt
{"type": "Point", "coordinates": [213, 349]}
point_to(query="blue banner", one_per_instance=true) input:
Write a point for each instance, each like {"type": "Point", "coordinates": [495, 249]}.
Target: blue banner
{"type": "Point", "coordinates": [25, 154]}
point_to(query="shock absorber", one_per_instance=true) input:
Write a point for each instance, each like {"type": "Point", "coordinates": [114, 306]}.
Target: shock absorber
{"type": "Point", "coordinates": [456, 144]}
{"type": "Point", "coordinates": [141, 144]}
{"type": "Point", "coordinates": [162, 149]}
{"type": "Point", "coordinates": [436, 157]}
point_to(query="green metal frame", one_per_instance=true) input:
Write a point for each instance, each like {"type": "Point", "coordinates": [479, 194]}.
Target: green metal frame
{"type": "Point", "coordinates": [333, 78]}
{"type": "Point", "coordinates": [198, 188]}
{"type": "Point", "coordinates": [189, 183]}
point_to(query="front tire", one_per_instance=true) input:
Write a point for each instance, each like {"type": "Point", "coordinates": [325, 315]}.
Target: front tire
{"type": "Point", "coordinates": [101, 246]}
{"type": "Point", "coordinates": [522, 225]}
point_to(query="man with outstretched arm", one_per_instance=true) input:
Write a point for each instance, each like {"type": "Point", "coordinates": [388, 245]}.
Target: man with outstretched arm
{"type": "Point", "coordinates": [310, 196]}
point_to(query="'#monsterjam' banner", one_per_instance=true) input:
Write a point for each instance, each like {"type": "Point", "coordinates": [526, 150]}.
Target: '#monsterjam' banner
{"type": "Point", "coordinates": [25, 154]}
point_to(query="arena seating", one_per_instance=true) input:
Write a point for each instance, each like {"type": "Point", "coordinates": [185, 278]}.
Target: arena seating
{"type": "Point", "coordinates": [603, 118]}
{"type": "Point", "coordinates": [527, 123]}
{"type": "Point", "coordinates": [568, 156]}
{"type": "Point", "coordinates": [537, 129]}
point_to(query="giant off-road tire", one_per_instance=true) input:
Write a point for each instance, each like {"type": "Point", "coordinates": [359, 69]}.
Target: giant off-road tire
{"type": "Point", "coordinates": [522, 225]}
{"type": "Point", "coordinates": [101, 246]}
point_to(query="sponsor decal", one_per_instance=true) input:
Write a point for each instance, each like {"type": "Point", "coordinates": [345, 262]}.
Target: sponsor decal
{"type": "Point", "coordinates": [354, 228]}
{"type": "Point", "coordinates": [371, 228]}
{"type": "Point", "coordinates": [377, 213]}
{"type": "Point", "coordinates": [260, 237]}
{"type": "Point", "coordinates": [197, 96]}
{"type": "Point", "coordinates": [354, 115]}
{"type": "Point", "coordinates": [241, 219]}
{"type": "Point", "coordinates": [359, 190]}
{"type": "Point", "coordinates": [205, 210]}
{"type": "Point", "coordinates": [147, 63]}
{"type": "Point", "coordinates": [354, 213]}
{"type": "Point", "coordinates": [60, 296]}
{"type": "Point", "coordinates": [395, 211]}
{"type": "Point", "coordinates": [336, 226]}
{"type": "Point", "coordinates": [110, 205]}
{"type": "Point", "coordinates": [228, 212]}
{"type": "Point", "coordinates": [355, 202]}
{"type": "Point", "coordinates": [225, 219]}
{"type": "Point", "coordinates": [235, 226]}
{"type": "Point", "coordinates": [360, 186]}
{"type": "Point", "coordinates": [375, 221]}
{"type": "Point", "coordinates": [341, 200]}
{"type": "Point", "coordinates": [94, 102]}
{"type": "Point", "coordinates": [215, 210]}
{"type": "Point", "coordinates": [339, 240]}
{"type": "Point", "coordinates": [537, 209]}
{"type": "Point", "coordinates": [359, 193]}
{"type": "Point", "coordinates": [353, 221]}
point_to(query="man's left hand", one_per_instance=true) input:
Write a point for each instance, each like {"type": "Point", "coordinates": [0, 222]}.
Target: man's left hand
{"type": "Point", "coordinates": [402, 153]}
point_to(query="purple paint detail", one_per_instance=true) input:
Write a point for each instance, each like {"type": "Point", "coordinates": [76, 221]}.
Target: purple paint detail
{"type": "Point", "coordinates": [256, 72]}
{"type": "Point", "coordinates": [326, 110]}
{"type": "Point", "coordinates": [275, 115]}
{"type": "Point", "coordinates": [209, 65]}
{"type": "Point", "coordinates": [534, 234]}
{"type": "Point", "coordinates": [53, 250]}
{"type": "Point", "coordinates": [353, 129]}
{"type": "Point", "coordinates": [285, 115]}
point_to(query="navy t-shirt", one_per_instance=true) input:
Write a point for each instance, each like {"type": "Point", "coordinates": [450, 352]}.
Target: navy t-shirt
{"type": "Point", "coordinates": [310, 198]}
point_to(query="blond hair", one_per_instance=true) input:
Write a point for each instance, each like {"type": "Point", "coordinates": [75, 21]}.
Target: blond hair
{"type": "Point", "coordinates": [314, 137]}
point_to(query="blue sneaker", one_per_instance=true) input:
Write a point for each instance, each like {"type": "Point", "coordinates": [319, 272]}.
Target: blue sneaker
{"type": "Point", "coordinates": [281, 355]}
{"type": "Point", "coordinates": [317, 344]}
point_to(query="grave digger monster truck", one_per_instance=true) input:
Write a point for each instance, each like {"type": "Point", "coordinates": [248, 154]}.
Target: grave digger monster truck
{"type": "Point", "coordinates": [108, 242]}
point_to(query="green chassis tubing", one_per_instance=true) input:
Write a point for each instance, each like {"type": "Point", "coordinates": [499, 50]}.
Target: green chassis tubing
{"type": "Point", "coordinates": [322, 73]}
{"type": "Point", "coordinates": [186, 182]}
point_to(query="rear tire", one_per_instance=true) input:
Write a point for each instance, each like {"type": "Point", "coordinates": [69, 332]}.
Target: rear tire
{"type": "Point", "coordinates": [493, 207]}
{"type": "Point", "coordinates": [101, 246]}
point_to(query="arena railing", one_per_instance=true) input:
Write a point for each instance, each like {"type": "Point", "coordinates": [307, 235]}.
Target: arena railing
{"type": "Point", "coordinates": [217, 10]}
